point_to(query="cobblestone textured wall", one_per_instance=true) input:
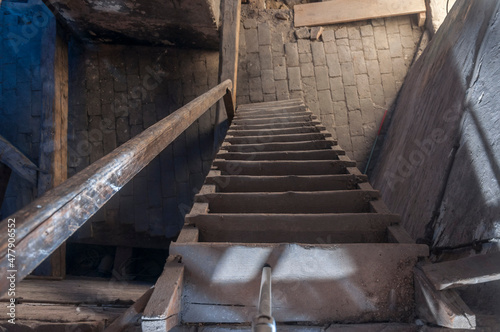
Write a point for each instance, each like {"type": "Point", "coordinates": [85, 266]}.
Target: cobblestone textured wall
{"type": "Point", "coordinates": [115, 93]}
{"type": "Point", "coordinates": [348, 78]}
{"type": "Point", "coordinates": [21, 28]}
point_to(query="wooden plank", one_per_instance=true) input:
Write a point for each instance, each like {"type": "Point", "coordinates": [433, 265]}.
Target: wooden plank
{"type": "Point", "coordinates": [47, 222]}
{"type": "Point", "coordinates": [188, 234]}
{"type": "Point", "coordinates": [466, 271]}
{"type": "Point", "coordinates": [229, 47]}
{"type": "Point", "coordinates": [280, 155]}
{"type": "Point", "coordinates": [79, 291]}
{"type": "Point", "coordinates": [308, 129]}
{"type": "Point", "coordinates": [54, 134]}
{"type": "Point", "coordinates": [294, 228]}
{"type": "Point", "coordinates": [243, 183]}
{"type": "Point", "coordinates": [378, 206]}
{"type": "Point", "coordinates": [130, 317]}
{"type": "Point", "coordinates": [300, 137]}
{"type": "Point", "coordinates": [444, 308]}
{"type": "Point", "coordinates": [338, 201]}
{"type": "Point", "coordinates": [59, 313]}
{"type": "Point", "coordinates": [224, 279]}
{"type": "Point", "coordinates": [421, 18]}
{"type": "Point", "coordinates": [282, 167]}
{"type": "Point", "coordinates": [397, 234]}
{"type": "Point", "coordinates": [283, 146]}
{"type": "Point", "coordinates": [17, 161]}
{"type": "Point", "coordinates": [163, 309]}
{"type": "Point", "coordinates": [341, 11]}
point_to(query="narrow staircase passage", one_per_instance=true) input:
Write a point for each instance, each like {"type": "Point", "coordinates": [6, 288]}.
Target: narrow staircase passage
{"type": "Point", "coordinates": [281, 191]}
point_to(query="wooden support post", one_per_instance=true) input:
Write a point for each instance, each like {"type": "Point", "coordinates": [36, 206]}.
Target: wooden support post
{"type": "Point", "coordinates": [54, 131]}
{"type": "Point", "coordinates": [230, 41]}
{"type": "Point", "coordinates": [163, 309]}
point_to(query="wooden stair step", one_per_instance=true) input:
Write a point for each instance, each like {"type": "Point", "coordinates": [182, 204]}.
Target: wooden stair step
{"type": "Point", "coordinates": [272, 115]}
{"type": "Point", "coordinates": [340, 201]}
{"type": "Point", "coordinates": [271, 110]}
{"type": "Point", "coordinates": [375, 327]}
{"type": "Point", "coordinates": [282, 167]}
{"type": "Point", "coordinates": [277, 138]}
{"type": "Point", "coordinates": [283, 146]}
{"type": "Point", "coordinates": [271, 104]}
{"type": "Point", "coordinates": [277, 125]}
{"type": "Point", "coordinates": [316, 283]}
{"type": "Point", "coordinates": [241, 183]}
{"type": "Point", "coordinates": [274, 120]}
{"type": "Point", "coordinates": [298, 130]}
{"type": "Point", "coordinates": [296, 228]}
{"type": "Point", "coordinates": [281, 155]}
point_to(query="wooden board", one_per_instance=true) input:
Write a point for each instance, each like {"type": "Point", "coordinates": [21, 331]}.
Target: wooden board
{"type": "Point", "coordinates": [132, 315]}
{"type": "Point", "coordinates": [340, 11]}
{"type": "Point", "coordinates": [466, 271]}
{"type": "Point", "coordinates": [17, 161]}
{"type": "Point", "coordinates": [78, 291]}
{"type": "Point", "coordinates": [444, 308]}
{"type": "Point", "coordinates": [163, 309]}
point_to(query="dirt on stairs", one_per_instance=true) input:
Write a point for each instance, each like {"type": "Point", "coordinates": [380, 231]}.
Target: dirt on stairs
{"type": "Point", "coordinates": [281, 191]}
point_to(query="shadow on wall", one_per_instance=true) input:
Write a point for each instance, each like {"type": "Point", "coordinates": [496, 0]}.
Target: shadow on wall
{"type": "Point", "coordinates": [22, 25]}
{"type": "Point", "coordinates": [439, 167]}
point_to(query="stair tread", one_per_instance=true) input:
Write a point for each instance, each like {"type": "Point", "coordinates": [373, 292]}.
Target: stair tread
{"type": "Point", "coordinates": [276, 138]}
{"type": "Point", "coordinates": [309, 202]}
{"type": "Point", "coordinates": [357, 282]}
{"type": "Point", "coordinates": [281, 146]}
{"type": "Point", "coordinates": [324, 154]}
{"type": "Point", "coordinates": [280, 183]}
{"type": "Point", "coordinates": [296, 228]}
{"type": "Point", "coordinates": [282, 167]}
{"type": "Point", "coordinates": [375, 327]}
{"type": "Point", "coordinates": [276, 125]}
{"type": "Point", "coordinates": [298, 130]}
{"type": "Point", "coordinates": [274, 120]}
{"type": "Point", "coordinates": [271, 115]}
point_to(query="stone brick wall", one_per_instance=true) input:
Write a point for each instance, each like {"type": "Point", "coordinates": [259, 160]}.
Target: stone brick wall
{"type": "Point", "coordinates": [115, 93]}
{"type": "Point", "coordinates": [348, 78]}
{"type": "Point", "coordinates": [21, 29]}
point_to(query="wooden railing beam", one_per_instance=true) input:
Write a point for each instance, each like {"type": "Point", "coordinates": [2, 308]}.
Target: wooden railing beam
{"type": "Point", "coordinates": [43, 225]}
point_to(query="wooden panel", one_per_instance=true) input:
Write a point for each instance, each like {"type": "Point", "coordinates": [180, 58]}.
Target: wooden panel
{"type": "Point", "coordinates": [163, 309]}
{"type": "Point", "coordinates": [17, 161]}
{"type": "Point", "coordinates": [45, 224]}
{"type": "Point", "coordinates": [466, 271]}
{"type": "Point", "coordinates": [339, 11]}
{"type": "Point", "coordinates": [444, 308]}
{"type": "Point", "coordinates": [229, 46]}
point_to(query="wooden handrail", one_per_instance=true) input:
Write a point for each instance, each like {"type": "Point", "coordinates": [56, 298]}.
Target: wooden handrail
{"type": "Point", "coordinates": [43, 225]}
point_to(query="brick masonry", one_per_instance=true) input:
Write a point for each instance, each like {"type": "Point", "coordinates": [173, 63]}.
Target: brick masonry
{"type": "Point", "coordinates": [115, 93]}
{"type": "Point", "coordinates": [21, 29]}
{"type": "Point", "coordinates": [348, 78]}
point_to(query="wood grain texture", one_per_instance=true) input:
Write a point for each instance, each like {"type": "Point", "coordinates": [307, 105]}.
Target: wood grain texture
{"type": "Point", "coordinates": [340, 11]}
{"type": "Point", "coordinates": [163, 309]}
{"type": "Point", "coordinates": [466, 271]}
{"type": "Point", "coordinates": [45, 224]}
{"type": "Point", "coordinates": [398, 234]}
{"type": "Point", "coordinates": [444, 308]}
{"type": "Point", "coordinates": [229, 48]}
{"type": "Point", "coordinates": [17, 161]}
{"type": "Point", "coordinates": [130, 316]}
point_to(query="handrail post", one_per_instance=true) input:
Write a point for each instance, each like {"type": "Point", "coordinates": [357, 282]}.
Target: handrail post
{"type": "Point", "coordinates": [229, 104]}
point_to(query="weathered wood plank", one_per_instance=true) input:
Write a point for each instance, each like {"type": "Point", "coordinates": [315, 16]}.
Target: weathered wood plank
{"type": "Point", "coordinates": [163, 309]}
{"type": "Point", "coordinates": [47, 222]}
{"type": "Point", "coordinates": [54, 134]}
{"type": "Point", "coordinates": [282, 167]}
{"type": "Point", "coordinates": [341, 11]}
{"type": "Point", "coordinates": [444, 308]}
{"type": "Point", "coordinates": [229, 47]}
{"type": "Point", "coordinates": [338, 201]}
{"type": "Point", "coordinates": [130, 317]}
{"type": "Point", "coordinates": [397, 234]}
{"type": "Point", "coordinates": [188, 234]}
{"type": "Point", "coordinates": [466, 271]}
{"type": "Point", "coordinates": [79, 291]}
{"type": "Point", "coordinates": [17, 161]}
{"type": "Point", "coordinates": [281, 155]}
{"type": "Point", "coordinates": [294, 228]}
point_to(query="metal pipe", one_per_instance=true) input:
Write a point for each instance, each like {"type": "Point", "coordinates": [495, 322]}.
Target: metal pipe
{"type": "Point", "coordinates": [264, 321]}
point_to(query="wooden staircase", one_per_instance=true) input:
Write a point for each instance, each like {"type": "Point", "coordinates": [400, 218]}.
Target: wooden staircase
{"type": "Point", "coordinates": [281, 191]}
